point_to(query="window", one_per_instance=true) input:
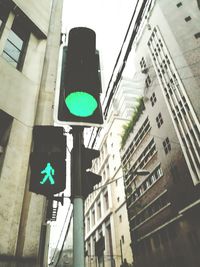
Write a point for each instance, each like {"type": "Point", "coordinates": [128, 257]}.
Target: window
{"type": "Point", "coordinates": [14, 50]}
{"type": "Point", "coordinates": [120, 218]}
{"type": "Point", "coordinates": [179, 4]}
{"type": "Point", "coordinates": [159, 120]}
{"type": "Point", "coordinates": [99, 210]}
{"type": "Point", "coordinates": [3, 15]}
{"type": "Point", "coordinates": [107, 171]}
{"type": "Point", "coordinates": [106, 201]}
{"type": "Point", "coordinates": [118, 199]}
{"type": "Point", "coordinates": [197, 35]}
{"type": "Point", "coordinates": [166, 145]}
{"type": "Point", "coordinates": [175, 173]}
{"type": "Point", "coordinates": [143, 66]}
{"type": "Point", "coordinates": [5, 128]}
{"type": "Point", "coordinates": [88, 224]}
{"type": "Point", "coordinates": [93, 217]}
{"type": "Point", "coordinates": [148, 81]}
{"type": "Point", "coordinates": [122, 238]}
{"type": "Point", "coordinates": [156, 241]}
{"type": "Point", "coordinates": [198, 3]}
{"type": "Point", "coordinates": [187, 18]}
{"type": "Point", "coordinates": [153, 99]}
{"type": "Point", "coordinates": [194, 240]}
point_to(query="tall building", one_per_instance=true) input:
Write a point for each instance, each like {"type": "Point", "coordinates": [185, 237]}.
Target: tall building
{"type": "Point", "coordinates": [107, 234]}
{"type": "Point", "coordinates": [29, 48]}
{"type": "Point", "coordinates": [163, 207]}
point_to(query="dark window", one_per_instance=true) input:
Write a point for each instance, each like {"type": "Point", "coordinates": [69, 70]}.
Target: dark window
{"type": "Point", "coordinates": [148, 245]}
{"type": "Point", "coordinates": [106, 204]}
{"type": "Point", "coordinates": [164, 236]}
{"type": "Point", "coordinates": [122, 238]}
{"type": "Point", "coordinates": [148, 81]}
{"type": "Point", "coordinates": [4, 11]}
{"type": "Point", "coordinates": [179, 4]}
{"type": "Point", "coordinates": [5, 127]}
{"type": "Point", "coordinates": [198, 3]}
{"type": "Point", "coordinates": [166, 145]}
{"type": "Point", "coordinates": [194, 240]}
{"type": "Point", "coordinates": [187, 18]}
{"type": "Point", "coordinates": [175, 173]}
{"type": "Point", "coordinates": [156, 241]}
{"type": "Point", "coordinates": [143, 65]}
{"type": "Point", "coordinates": [197, 35]}
{"type": "Point", "coordinates": [159, 120]}
{"type": "Point", "coordinates": [14, 50]}
{"type": "Point", "coordinates": [153, 99]}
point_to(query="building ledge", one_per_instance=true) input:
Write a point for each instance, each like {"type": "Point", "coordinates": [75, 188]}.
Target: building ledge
{"type": "Point", "coordinates": [190, 206]}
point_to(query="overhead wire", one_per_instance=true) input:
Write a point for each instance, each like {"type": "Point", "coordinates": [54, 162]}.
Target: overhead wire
{"type": "Point", "coordinates": [120, 52]}
{"type": "Point", "coordinates": [119, 74]}
{"type": "Point", "coordinates": [67, 231]}
{"type": "Point", "coordinates": [61, 233]}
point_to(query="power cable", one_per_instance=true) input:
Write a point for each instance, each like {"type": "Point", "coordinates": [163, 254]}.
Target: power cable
{"type": "Point", "coordinates": [130, 23]}
{"type": "Point", "coordinates": [61, 233]}
{"type": "Point", "coordinates": [64, 239]}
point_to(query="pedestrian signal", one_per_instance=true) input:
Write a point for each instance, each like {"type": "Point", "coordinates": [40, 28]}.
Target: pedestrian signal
{"type": "Point", "coordinates": [49, 172]}
{"type": "Point", "coordinates": [47, 161]}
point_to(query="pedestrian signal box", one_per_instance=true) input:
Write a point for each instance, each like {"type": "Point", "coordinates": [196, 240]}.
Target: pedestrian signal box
{"type": "Point", "coordinates": [47, 161]}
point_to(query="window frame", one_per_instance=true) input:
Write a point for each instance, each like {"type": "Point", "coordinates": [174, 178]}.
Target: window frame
{"type": "Point", "coordinates": [22, 33]}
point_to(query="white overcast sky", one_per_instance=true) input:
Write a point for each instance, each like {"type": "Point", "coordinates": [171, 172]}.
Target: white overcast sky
{"type": "Point", "coordinates": [108, 18]}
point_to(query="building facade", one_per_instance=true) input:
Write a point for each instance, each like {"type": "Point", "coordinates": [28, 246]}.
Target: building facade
{"type": "Point", "coordinates": [107, 234]}
{"type": "Point", "coordinates": [29, 48]}
{"type": "Point", "coordinates": [163, 207]}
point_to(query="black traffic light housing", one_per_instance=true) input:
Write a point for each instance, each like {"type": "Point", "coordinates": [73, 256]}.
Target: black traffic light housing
{"type": "Point", "coordinates": [88, 178]}
{"type": "Point", "coordinates": [80, 74]}
{"type": "Point", "coordinates": [47, 161]}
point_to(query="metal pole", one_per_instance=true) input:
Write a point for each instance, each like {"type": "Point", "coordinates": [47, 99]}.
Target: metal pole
{"type": "Point", "coordinates": [78, 208]}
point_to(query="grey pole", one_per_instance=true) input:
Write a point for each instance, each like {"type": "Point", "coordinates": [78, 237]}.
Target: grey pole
{"type": "Point", "coordinates": [77, 198]}
{"type": "Point", "coordinates": [78, 234]}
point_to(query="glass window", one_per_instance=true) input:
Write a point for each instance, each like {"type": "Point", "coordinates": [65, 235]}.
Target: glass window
{"type": "Point", "coordinates": [179, 4]}
{"type": "Point", "coordinates": [106, 201]}
{"type": "Point", "coordinates": [99, 210]}
{"type": "Point", "coordinates": [5, 127]}
{"type": "Point", "coordinates": [198, 3]}
{"type": "Point", "coordinates": [16, 44]}
{"type": "Point", "coordinates": [3, 15]}
{"type": "Point", "coordinates": [159, 120]}
{"type": "Point", "coordinates": [166, 145]}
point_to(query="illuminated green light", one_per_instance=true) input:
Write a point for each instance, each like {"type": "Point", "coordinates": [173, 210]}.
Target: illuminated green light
{"type": "Point", "coordinates": [49, 172]}
{"type": "Point", "coordinates": [81, 104]}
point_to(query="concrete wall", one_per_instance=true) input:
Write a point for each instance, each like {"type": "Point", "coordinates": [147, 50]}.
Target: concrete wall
{"type": "Point", "coordinates": [39, 13]}
{"type": "Point", "coordinates": [27, 96]}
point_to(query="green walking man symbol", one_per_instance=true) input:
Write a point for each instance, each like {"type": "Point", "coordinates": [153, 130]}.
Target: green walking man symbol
{"type": "Point", "coordinates": [49, 171]}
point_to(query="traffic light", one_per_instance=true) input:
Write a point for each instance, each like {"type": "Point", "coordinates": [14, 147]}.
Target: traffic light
{"type": "Point", "coordinates": [90, 179]}
{"type": "Point", "coordinates": [80, 86]}
{"type": "Point", "coordinates": [47, 161]}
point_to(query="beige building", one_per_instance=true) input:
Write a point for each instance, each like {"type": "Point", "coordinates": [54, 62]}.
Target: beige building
{"type": "Point", "coordinates": [29, 47]}
{"type": "Point", "coordinates": [107, 233]}
{"type": "Point", "coordinates": [163, 206]}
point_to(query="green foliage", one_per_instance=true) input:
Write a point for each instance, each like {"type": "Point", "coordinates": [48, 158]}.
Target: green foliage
{"type": "Point", "coordinates": [130, 125]}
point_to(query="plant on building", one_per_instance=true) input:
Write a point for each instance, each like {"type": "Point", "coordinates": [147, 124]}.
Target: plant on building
{"type": "Point", "coordinates": [128, 128]}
